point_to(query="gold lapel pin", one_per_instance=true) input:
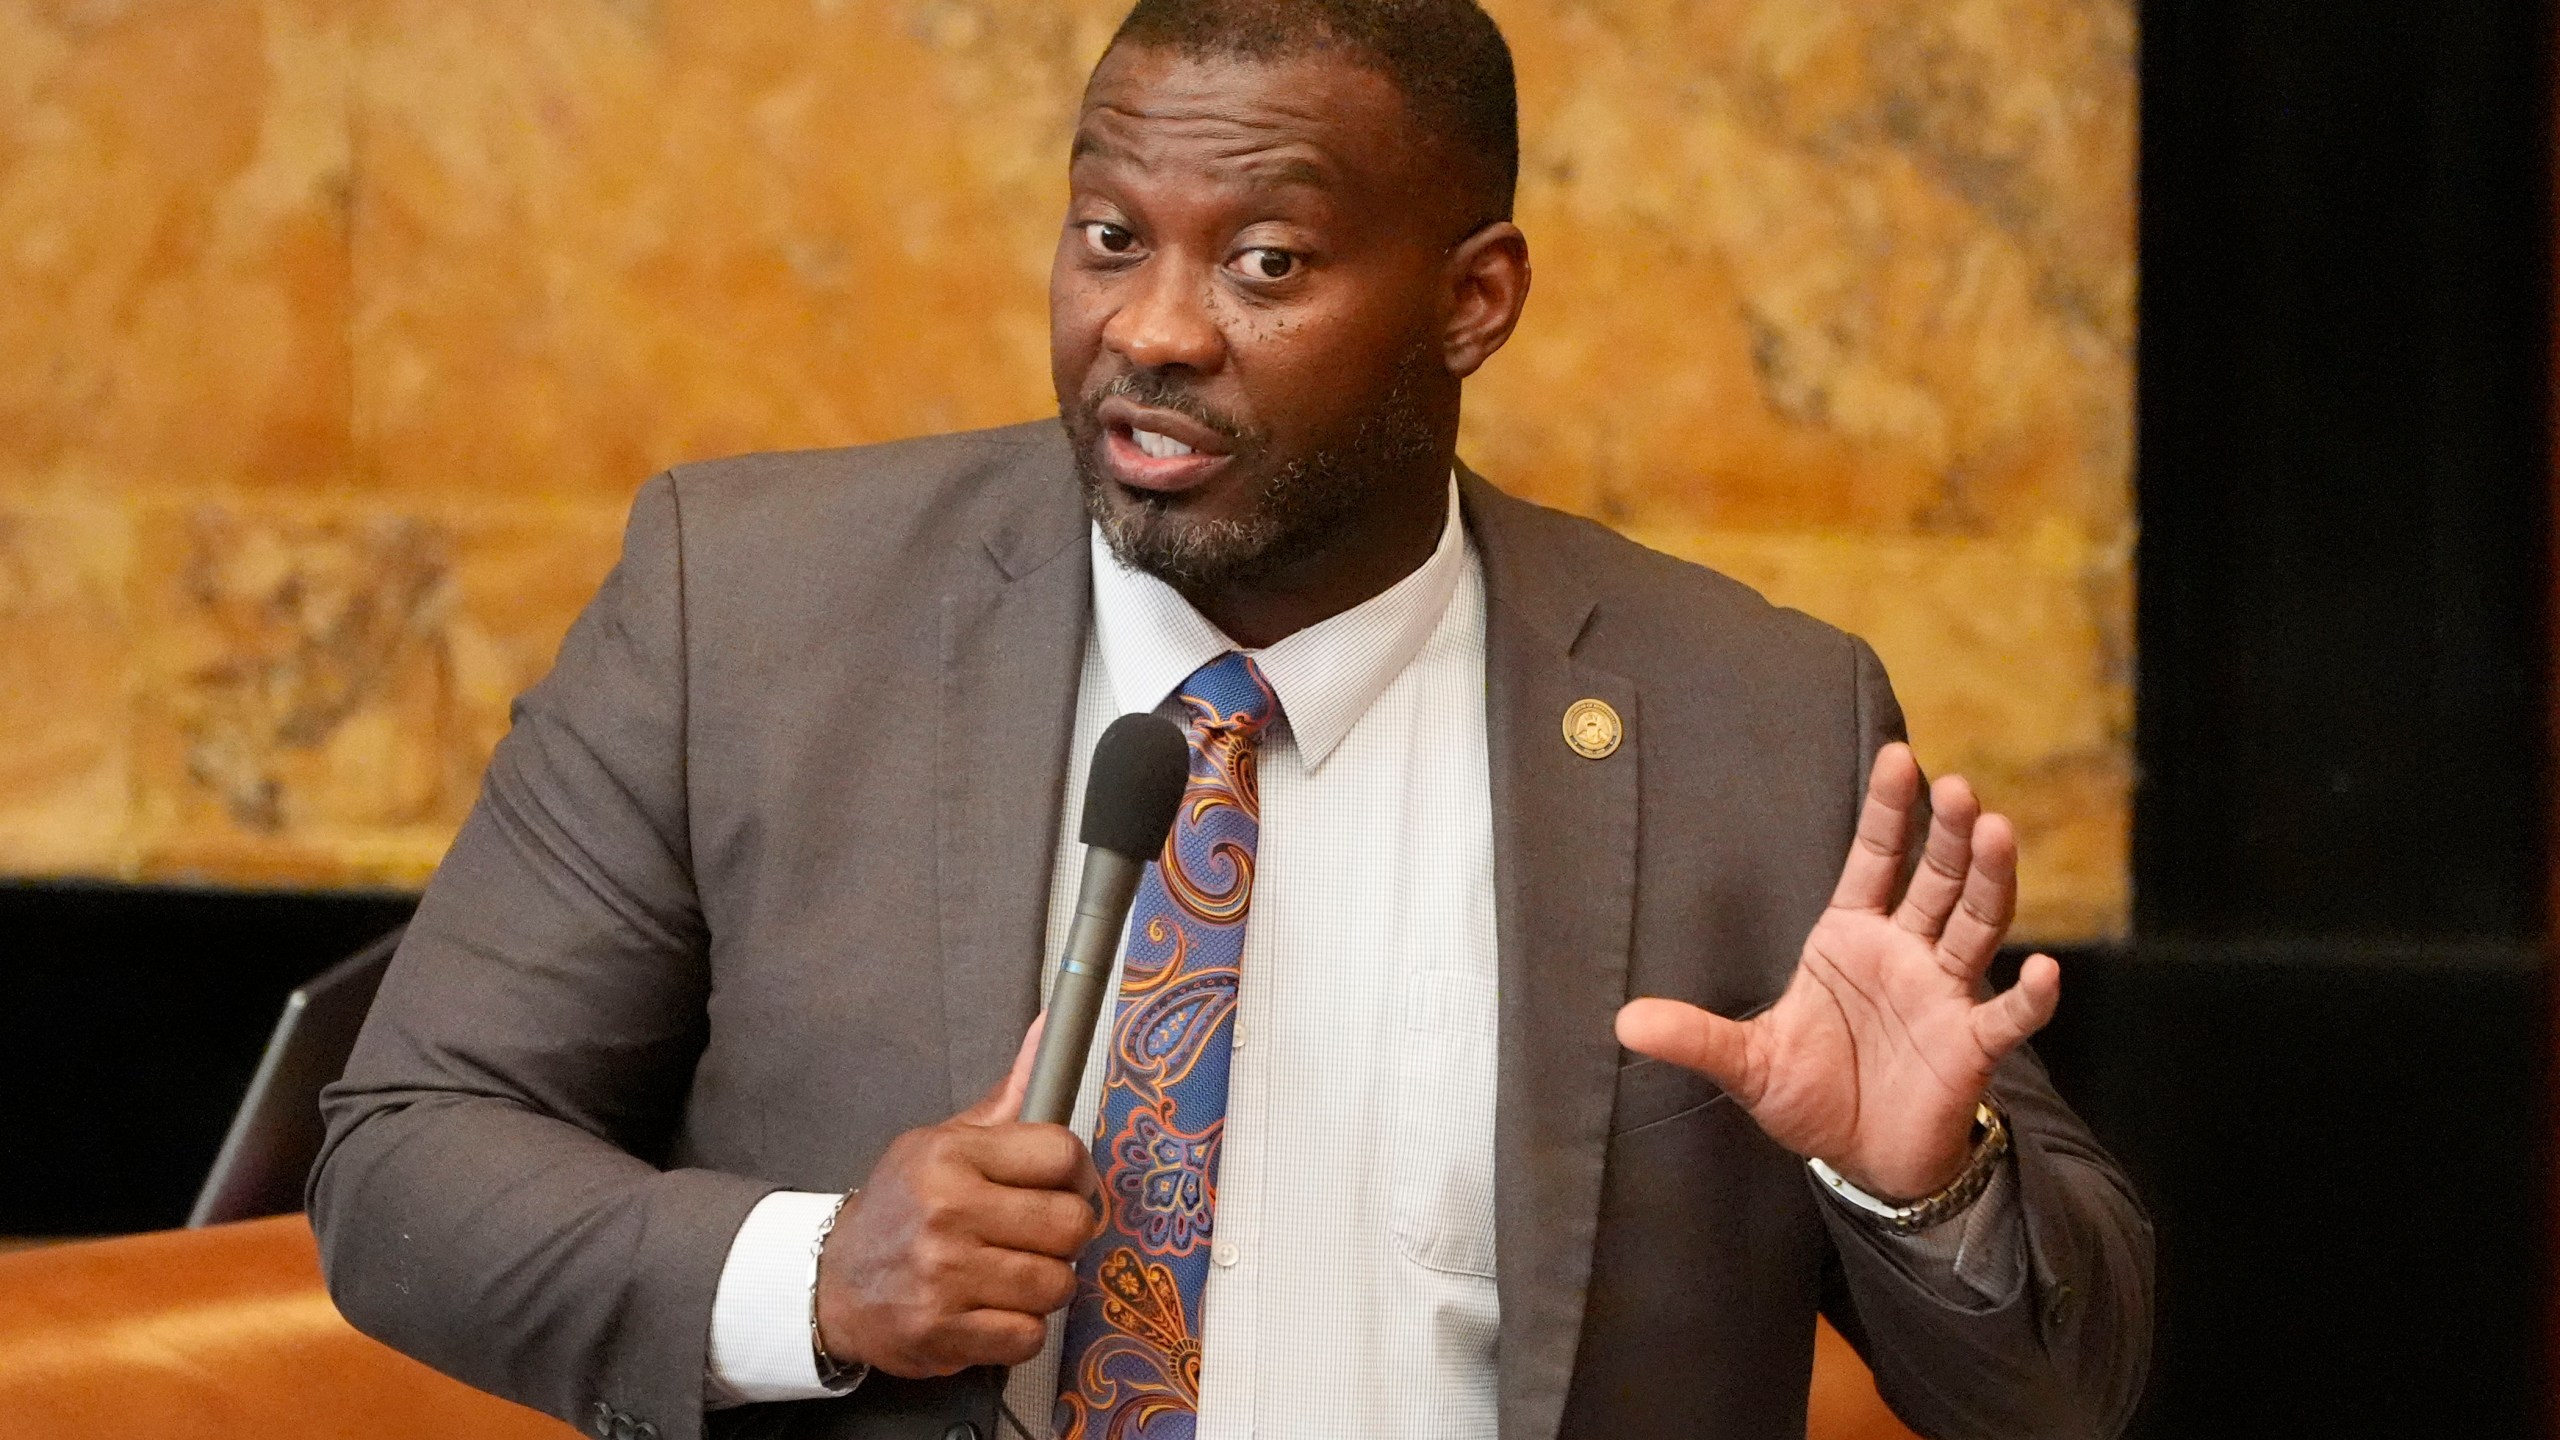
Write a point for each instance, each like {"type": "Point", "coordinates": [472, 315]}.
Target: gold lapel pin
{"type": "Point", "coordinates": [1592, 729]}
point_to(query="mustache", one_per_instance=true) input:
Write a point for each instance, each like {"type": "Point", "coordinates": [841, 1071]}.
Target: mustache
{"type": "Point", "coordinates": [1154, 387]}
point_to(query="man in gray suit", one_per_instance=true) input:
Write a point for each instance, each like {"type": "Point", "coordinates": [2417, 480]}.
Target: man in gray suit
{"type": "Point", "coordinates": [687, 1104]}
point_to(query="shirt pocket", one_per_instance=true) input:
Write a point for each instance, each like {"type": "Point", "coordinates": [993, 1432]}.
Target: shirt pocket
{"type": "Point", "coordinates": [1443, 1206]}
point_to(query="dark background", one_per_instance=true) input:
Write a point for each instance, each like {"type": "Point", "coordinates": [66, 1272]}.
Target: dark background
{"type": "Point", "coordinates": [2324, 1058]}
{"type": "Point", "coordinates": [2324, 1055]}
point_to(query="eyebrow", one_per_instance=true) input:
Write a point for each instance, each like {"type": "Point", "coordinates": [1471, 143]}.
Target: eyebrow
{"type": "Point", "coordinates": [1088, 143]}
{"type": "Point", "coordinates": [1293, 170]}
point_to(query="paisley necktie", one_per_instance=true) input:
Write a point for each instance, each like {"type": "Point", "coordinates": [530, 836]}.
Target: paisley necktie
{"type": "Point", "coordinates": [1130, 1369]}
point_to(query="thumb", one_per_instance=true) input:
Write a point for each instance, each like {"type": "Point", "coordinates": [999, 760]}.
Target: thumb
{"type": "Point", "coordinates": [1685, 1035]}
{"type": "Point", "coordinates": [1003, 1104]}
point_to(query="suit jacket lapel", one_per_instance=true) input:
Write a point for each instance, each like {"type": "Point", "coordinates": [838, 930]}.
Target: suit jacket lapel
{"type": "Point", "coordinates": [1564, 871]}
{"type": "Point", "coordinates": [1013, 633]}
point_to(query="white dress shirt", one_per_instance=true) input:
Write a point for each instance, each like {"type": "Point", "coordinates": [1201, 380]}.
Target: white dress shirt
{"type": "Point", "coordinates": [1351, 1288]}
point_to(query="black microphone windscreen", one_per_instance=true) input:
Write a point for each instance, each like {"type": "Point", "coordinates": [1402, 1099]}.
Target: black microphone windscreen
{"type": "Point", "coordinates": [1140, 767]}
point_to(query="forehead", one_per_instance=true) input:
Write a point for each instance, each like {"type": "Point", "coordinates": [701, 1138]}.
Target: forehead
{"type": "Point", "coordinates": [1317, 118]}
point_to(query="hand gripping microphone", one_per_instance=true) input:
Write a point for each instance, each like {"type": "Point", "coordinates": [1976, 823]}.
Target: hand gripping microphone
{"type": "Point", "coordinates": [1140, 768]}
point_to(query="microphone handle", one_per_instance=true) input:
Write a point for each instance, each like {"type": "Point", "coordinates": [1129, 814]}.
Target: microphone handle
{"type": "Point", "coordinates": [1084, 981]}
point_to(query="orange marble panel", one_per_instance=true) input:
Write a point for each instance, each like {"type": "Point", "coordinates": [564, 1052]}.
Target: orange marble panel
{"type": "Point", "coordinates": [595, 238]}
{"type": "Point", "coordinates": [334, 336]}
{"type": "Point", "coordinates": [321, 683]}
{"type": "Point", "coordinates": [66, 776]}
{"type": "Point", "coordinates": [173, 263]}
{"type": "Point", "coordinates": [1863, 268]}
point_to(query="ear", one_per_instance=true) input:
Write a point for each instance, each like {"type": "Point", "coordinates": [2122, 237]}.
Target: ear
{"type": "Point", "coordinates": [1486, 284]}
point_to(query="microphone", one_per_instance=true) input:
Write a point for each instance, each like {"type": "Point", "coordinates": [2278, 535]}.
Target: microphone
{"type": "Point", "coordinates": [1140, 769]}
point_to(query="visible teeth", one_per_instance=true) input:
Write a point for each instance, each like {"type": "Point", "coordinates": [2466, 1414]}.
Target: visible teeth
{"type": "Point", "coordinates": [1161, 447]}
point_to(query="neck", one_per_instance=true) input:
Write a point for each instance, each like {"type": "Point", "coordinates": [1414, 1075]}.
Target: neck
{"type": "Point", "coordinates": [1377, 545]}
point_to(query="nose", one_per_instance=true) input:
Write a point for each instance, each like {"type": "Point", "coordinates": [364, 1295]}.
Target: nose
{"type": "Point", "coordinates": [1165, 319]}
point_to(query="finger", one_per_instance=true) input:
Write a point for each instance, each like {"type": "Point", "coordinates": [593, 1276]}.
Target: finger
{"type": "Point", "coordinates": [1024, 1283]}
{"type": "Point", "coordinates": [1030, 1157]}
{"type": "Point", "coordinates": [1989, 901]}
{"type": "Point", "coordinates": [1685, 1035]}
{"type": "Point", "coordinates": [1003, 1104]}
{"type": "Point", "coordinates": [1944, 861]}
{"type": "Point", "coordinates": [1039, 1222]}
{"type": "Point", "coordinates": [1874, 866]}
{"type": "Point", "coordinates": [993, 1337]}
{"type": "Point", "coordinates": [2003, 1022]}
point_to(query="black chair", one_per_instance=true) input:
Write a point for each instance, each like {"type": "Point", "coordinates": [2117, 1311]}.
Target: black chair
{"type": "Point", "coordinates": [275, 1134]}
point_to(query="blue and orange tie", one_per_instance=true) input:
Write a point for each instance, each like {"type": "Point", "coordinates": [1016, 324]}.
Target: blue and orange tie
{"type": "Point", "coordinates": [1130, 1369]}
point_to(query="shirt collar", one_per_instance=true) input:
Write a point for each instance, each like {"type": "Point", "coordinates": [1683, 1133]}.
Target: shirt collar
{"type": "Point", "coordinates": [1327, 675]}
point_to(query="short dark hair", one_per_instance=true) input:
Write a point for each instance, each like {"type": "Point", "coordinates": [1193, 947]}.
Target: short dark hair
{"type": "Point", "coordinates": [1446, 57]}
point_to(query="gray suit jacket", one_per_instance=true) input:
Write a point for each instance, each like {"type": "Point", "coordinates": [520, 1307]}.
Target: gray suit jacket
{"type": "Point", "coordinates": [756, 883]}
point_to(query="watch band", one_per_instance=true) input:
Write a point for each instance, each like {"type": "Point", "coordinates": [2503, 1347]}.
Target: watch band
{"type": "Point", "coordinates": [834, 1375]}
{"type": "Point", "coordinates": [1990, 1147]}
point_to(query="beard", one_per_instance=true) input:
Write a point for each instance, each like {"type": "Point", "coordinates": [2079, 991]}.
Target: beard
{"type": "Point", "coordinates": [1300, 505]}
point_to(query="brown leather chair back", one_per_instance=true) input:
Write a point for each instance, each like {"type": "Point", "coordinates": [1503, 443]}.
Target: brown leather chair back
{"type": "Point", "coordinates": [226, 1333]}
{"type": "Point", "coordinates": [222, 1333]}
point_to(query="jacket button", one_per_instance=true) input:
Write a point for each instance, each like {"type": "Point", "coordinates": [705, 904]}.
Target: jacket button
{"type": "Point", "coordinates": [645, 1431]}
{"type": "Point", "coordinates": [601, 1420]}
{"type": "Point", "coordinates": [624, 1428]}
{"type": "Point", "coordinates": [962, 1431]}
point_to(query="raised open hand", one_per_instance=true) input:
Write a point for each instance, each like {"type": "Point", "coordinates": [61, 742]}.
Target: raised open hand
{"type": "Point", "coordinates": [1873, 1058]}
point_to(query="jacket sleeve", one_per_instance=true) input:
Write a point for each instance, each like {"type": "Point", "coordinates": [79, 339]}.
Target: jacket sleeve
{"type": "Point", "coordinates": [486, 1199]}
{"type": "Point", "coordinates": [2064, 1354]}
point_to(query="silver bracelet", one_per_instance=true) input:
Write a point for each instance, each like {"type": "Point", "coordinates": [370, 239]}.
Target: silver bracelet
{"type": "Point", "coordinates": [837, 1377]}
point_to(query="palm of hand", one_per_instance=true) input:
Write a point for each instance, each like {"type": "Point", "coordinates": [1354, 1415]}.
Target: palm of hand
{"type": "Point", "coordinates": [1874, 1056]}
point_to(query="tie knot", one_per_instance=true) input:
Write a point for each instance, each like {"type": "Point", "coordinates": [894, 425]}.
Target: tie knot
{"type": "Point", "coordinates": [1229, 694]}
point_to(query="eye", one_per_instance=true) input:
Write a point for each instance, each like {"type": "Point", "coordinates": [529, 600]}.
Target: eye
{"type": "Point", "coordinates": [1108, 238]}
{"type": "Point", "coordinates": [1267, 262]}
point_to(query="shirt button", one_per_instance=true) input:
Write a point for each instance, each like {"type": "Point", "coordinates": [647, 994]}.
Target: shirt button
{"type": "Point", "coordinates": [1225, 1254]}
{"type": "Point", "coordinates": [1237, 1040]}
{"type": "Point", "coordinates": [2057, 1306]}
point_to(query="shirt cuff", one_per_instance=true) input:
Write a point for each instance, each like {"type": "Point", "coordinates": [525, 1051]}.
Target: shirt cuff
{"type": "Point", "coordinates": [760, 1348]}
{"type": "Point", "coordinates": [1968, 1259]}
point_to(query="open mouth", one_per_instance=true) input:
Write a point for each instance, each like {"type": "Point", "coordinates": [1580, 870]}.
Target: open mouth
{"type": "Point", "coordinates": [1158, 447]}
{"type": "Point", "coordinates": [1165, 451]}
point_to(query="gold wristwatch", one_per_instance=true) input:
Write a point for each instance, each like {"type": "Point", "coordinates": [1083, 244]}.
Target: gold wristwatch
{"type": "Point", "coordinates": [1990, 1147]}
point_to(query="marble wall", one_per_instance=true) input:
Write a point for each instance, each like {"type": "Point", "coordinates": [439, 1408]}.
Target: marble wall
{"type": "Point", "coordinates": [335, 335]}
